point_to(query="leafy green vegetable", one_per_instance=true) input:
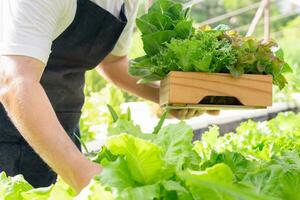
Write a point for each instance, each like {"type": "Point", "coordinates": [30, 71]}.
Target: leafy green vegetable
{"type": "Point", "coordinates": [176, 144]}
{"type": "Point", "coordinates": [12, 187]}
{"type": "Point", "coordinates": [117, 174]}
{"type": "Point", "coordinates": [148, 192]}
{"type": "Point", "coordinates": [38, 194]}
{"type": "Point", "coordinates": [142, 157]}
{"type": "Point", "coordinates": [94, 191]}
{"type": "Point", "coordinates": [58, 191]}
{"type": "Point", "coordinates": [260, 161]}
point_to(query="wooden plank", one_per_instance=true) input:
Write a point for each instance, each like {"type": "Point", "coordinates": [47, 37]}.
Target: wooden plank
{"type": "Point", "coordinates": [189, 88]}
{"type": "Point", "coordinates": [211, 107]}
{"type": "Point", "coordinates": [164, 91]}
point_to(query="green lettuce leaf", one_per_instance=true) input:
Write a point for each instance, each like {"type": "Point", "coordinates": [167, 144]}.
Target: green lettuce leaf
{"type": "Point", "coordinates": [38, 194]}
{"type": "Point", "coordinates": [216, 183]}
{"type": "Point", "coordinates": [147, 192]}
{"type": "Point", "coordinates": [153, 42]}
{"type": "Point", "coordinates": [176, 144]}
{"type": "Point", "coordinates": [176, 191]}
{"type": "Point", "coordinates": [95, 191]}
{"type": "Point", "coordinates": [12, 187]}
{"type": "Point", "coordinates": [142, 157]}
{"type": "Point", "coordinates": [116, 174]}
{"type": "Point", "coordinates": [58, 191]}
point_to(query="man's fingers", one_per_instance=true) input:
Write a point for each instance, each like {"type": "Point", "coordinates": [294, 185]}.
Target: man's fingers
{"type": "Point", "coordinates": [182, 113]}
{"type": "Point", "coordinates": [191, 113]}
{"type": "Point", "coordinates": [179, 114]}
{"type": "Point", "coordinates": [213, 112]}
{"type": "Point", "coordinates": [199, 112]}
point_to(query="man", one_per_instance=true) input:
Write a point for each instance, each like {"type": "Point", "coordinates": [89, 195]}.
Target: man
{"type": "Point", "coordinates": [46, 48]}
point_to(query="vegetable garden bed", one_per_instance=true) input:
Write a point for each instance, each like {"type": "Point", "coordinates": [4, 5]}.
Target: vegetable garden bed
{"type": "Point", "coordinates": [226, 127]}
{"type": "Point", "coordinates": [256, 161]}
{"type": "Point", "coordinates": [260, 161]}
{"type": "Point", "coordinates": [227, 120]}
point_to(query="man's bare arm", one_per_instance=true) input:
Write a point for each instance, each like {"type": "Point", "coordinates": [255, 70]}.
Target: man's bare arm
{"type": "Point", "coordinates": [115, 69]}
{"type": "Point", "coordinates": [30, 110]}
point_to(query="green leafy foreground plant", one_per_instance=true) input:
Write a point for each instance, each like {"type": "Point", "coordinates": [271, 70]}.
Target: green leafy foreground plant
{"type": "Point", "coordinates": [260, 161]}
{"type": "Point", "coordinates": [172, 43]}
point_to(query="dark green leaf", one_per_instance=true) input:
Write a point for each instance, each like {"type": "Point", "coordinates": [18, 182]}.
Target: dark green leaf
{"type": "Point", "coordinates": [153, 42]}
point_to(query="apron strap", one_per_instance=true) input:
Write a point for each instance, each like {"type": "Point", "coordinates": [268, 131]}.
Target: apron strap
{"type": "Point", "coordinates": [123, 17]}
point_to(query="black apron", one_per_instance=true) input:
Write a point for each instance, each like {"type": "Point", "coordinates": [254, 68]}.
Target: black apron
{"type": "Point", "coordinates": [83, 45]}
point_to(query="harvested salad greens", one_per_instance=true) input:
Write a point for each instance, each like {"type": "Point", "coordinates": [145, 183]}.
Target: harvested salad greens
{"type": "Point", "coordinates": [171, 43]}
{"type": "Point", "coordinates": [261, 161]}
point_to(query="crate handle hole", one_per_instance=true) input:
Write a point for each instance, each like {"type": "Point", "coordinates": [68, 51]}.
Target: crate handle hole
{"type": "Point", "coordinates": [220, 100]}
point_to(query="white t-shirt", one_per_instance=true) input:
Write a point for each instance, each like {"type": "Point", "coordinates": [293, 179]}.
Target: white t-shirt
{"type": "Point", "coordinates": [28, 27]}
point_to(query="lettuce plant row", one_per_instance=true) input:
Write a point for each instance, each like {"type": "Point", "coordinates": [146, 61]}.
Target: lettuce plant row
{"type": "Point", "coordinates": [259, 161]}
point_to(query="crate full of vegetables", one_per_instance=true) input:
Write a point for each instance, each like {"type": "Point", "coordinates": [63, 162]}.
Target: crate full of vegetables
{"type": "Point", "coordinates": [205, 67]}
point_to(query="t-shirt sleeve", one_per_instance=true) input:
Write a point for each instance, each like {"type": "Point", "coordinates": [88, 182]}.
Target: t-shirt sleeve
{"type": "Point", "coordinates": [123, 45]}
{"type": "Point", "coordinates": [29, 27]}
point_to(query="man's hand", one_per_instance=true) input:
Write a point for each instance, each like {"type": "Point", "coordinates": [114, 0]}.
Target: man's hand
{"type": "Point", "coordinates": [85, 173]}
{"type": "Point", "coordinates": [31, 112]}
{"type": "Point", "coordinates": [183, 114]}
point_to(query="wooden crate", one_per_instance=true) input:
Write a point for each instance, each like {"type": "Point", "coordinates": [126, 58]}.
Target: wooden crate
{"type": "Point", "coordinates": [192, 89]}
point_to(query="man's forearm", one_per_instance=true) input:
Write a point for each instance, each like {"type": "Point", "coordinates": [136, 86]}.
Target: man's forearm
{"type": "Point", "coordinates": [146, 91]}
{"type": "Point", "coordinates": [117, 72]}
{"type": "Point", "coordinates": [29, 108]}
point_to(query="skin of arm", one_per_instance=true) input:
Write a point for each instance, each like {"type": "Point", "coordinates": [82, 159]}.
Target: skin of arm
{"type": "Point", "coordinates": [115, 70]}
{"type": "Point", "coordinates": [31, 112]}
